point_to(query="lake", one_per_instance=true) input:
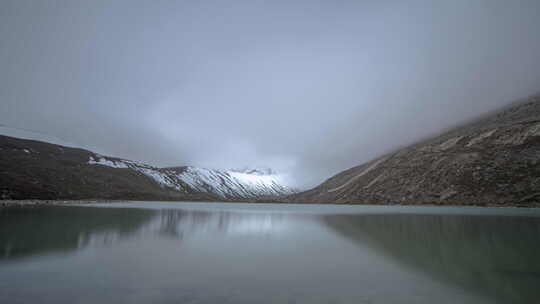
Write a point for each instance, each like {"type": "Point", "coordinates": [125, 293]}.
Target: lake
{"type": "Point", "coordinates": [151, 252]}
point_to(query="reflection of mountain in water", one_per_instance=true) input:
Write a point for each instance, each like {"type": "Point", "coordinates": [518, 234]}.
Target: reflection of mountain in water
{"type": "Point", "coordinates": [496, 256]}
{"type": "Point", "coordinates": [35, 231]}
{"type": "Point", "coordinates": [31, 231]}
{"type": "Point", "coordinates": [182, 223]}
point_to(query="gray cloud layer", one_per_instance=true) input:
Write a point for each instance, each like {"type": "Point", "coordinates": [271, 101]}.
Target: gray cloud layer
{"type": "Point", "coordinates": [306, 87]}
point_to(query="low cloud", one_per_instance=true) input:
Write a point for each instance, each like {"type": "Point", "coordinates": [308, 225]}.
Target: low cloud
{"type": "Point", "coordinates": [308, 88]}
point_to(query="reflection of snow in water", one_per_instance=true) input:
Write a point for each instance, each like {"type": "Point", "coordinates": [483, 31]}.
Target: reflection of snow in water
{"type": "Point", "coordinates": [100, 239]}
{"type": "Point", "coordinates": [183, 223]}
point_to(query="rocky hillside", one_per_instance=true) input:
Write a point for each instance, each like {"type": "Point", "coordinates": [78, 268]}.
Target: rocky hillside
{"type": "Point", "coordinates": [31, 169]}
{"type": "Point", "coordinates": [493, 161]}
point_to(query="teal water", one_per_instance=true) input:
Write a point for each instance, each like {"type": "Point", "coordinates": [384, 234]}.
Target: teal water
{"type": "Point", "coordinates": [152, 252]}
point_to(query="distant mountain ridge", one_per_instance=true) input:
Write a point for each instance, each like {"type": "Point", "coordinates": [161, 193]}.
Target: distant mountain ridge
{"type": "Point", "coordinates": [31, 169]}
{"type": "Point", "coordinates": [494, 160]}
{"type": "Point", "coordinates": [24, 133]}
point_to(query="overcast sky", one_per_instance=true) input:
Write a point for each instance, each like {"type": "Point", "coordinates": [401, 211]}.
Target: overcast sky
{"type": "Point", "coordinates": [309, 88]}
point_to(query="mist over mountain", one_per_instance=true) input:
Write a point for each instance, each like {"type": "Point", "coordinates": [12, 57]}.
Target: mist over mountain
{"type": "Point", "coordinates": [307, 88]}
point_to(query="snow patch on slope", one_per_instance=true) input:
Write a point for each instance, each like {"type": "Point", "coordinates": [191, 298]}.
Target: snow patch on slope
{"type": "Point", "coordinates": [256, 180]}
{"type": "Point", "coordinates": [106, 162]}
{"type": "Point", "coordinates": [163, 179]}
{"type": "Point", "coordinates": [204, 180]}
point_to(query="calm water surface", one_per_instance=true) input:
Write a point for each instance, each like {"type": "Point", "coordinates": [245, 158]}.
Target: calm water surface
{"type": "Point", "coordinates": [239, 253]}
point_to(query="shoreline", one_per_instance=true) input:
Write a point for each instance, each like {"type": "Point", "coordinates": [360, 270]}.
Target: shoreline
{"type": "Point", "coordinates": [6, 204]}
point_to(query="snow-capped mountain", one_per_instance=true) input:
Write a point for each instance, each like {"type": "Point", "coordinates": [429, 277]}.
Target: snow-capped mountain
{"type": "Point", "coordinates": [225, 184]}
{"type": "Point", "coordinates": [231, 184]}
{"type": "Point", "coordinates": [36, 165]}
